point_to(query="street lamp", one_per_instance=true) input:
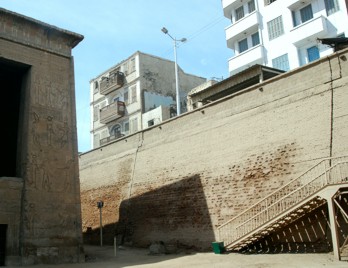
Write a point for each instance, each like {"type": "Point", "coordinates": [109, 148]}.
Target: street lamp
{"type": "Point", "coordinates": [175, 41]}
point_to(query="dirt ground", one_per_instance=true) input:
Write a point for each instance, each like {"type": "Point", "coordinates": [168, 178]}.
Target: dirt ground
{"type": "Point", "coordinates": [104, 257]}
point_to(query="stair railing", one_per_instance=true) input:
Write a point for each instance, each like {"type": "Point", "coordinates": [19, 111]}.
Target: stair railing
{"type": "Point", "coordinates": [327, 171]}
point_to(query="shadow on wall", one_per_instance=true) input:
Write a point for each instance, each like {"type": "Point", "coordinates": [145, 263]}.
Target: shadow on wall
{"type": "Point", "coordinates": [176, 214]}
{"type": "Point", "coordinates": [309, 234]}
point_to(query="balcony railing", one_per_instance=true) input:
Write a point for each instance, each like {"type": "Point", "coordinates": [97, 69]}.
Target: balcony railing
{"type": "Point", "coordinates": [331, 171]}
{"type": "Point", "coordinates": [111, 83]}
{"type": "Point", "coordinates": [309, 30]}
{"type": "Point", "coordinates": [246, 59]}
{"type": "Point", "coordinates": [111, 138]}
{"type": "Point", "coordinates": [245, 26]}
{"type": "Point", "coordinates": [112, 112]}
{"type": "Point", "coordinates": [228, 6]}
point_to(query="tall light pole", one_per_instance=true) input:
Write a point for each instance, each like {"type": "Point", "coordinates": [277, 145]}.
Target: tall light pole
{"type": "Point", "coordinates": [175, 41]}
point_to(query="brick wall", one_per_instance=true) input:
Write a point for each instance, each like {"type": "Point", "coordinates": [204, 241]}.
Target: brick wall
{"type": "Point", "coordinates": [176, 182]}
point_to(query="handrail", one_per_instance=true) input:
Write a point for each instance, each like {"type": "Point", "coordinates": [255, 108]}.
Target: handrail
{"type": "Point", "coordinates": [275, 203]}
{"type": "Point", "coordinates": [271, 194]}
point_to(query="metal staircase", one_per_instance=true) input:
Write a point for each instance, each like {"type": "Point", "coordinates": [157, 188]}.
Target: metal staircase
{"type": "Point", "coordinates": [287, 204]}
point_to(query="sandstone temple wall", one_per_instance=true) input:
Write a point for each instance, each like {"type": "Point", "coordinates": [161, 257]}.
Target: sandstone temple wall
{"type": "Point", "coordinates": [46, 213]}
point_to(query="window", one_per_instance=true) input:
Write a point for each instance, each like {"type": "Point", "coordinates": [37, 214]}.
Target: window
{"type": "Point", "coordinates": [331, 6]}
{"type": "Point", "coordinates": [275, 28]}
{"type": "Point", "coordinates": [125, 68]}
{"type": "Point", "coordinates": [132, 65]}
{"type": "Point", "coordinates": [116, 130]}
{"type": "Point", "coordinates": [302, 15]}
{"type": "Point", "coordinates": [134, 125]}
{"type": "Point", "coordinates": [243, 45]}
{"type": "Point", "coordinates": [96, 87]}
{"type": "Point", "coordinates": [281, 62]}
{"type": "Point", "coordinates": [96, 113]}
{"type": "Point", "coordinates": [268, 2]}
{"type": "Point", "coordinates": [251, 6]}
{"type": "Point", "coordinates": [125, 96]}
{"type": "Point", "coordinates": [313, 53]}
{"type": "Point", "coordinates": [239, 13]}
{"type": "Point", "coordinates": [306, 13]}
{"type": "Point", "coordinates": [150, 123]}
{"type": "Point", "coordinates": [134, 94]}
{"type": "Point", "coordinates": [255, 39]}
{"type": "Point", "coordinates": [126, 126]}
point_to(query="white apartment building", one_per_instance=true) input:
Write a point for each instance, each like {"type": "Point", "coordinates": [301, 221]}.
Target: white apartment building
{"type": "Point", "coordinates": [136, 93]}
{"type": "Point", "coordinates": [282, 33]}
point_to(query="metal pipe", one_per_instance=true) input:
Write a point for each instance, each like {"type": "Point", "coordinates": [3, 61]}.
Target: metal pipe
{"type": "Point", "coordinates": [177, 90]}
{"type": "Point", "coordinates": [178, 104]}
{"type": "Point", "coordinates": [115, 245]}
{"type": "Point", "coordinates": [101, 227]}
{"type": "Point", "coordinates": [100, 205]}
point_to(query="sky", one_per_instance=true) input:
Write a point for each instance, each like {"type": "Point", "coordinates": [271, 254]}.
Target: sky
{"type": "Point", "coordinates": [115, 29]}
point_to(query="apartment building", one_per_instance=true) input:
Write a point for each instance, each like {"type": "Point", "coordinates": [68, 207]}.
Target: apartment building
{"type": "Point", "coordinates": [282, 34]}
{"type": "Point", "coordinates": [134, 94]}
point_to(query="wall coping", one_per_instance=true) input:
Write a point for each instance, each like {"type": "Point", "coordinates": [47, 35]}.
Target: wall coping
{"type": "Point", "coordinates": [34, 33]}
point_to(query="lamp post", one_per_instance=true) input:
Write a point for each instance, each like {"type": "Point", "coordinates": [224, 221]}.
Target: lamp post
{"type": "Point", "coordinates": [100, 205]}
{"type": "Point", "coordinates": [175, 42]}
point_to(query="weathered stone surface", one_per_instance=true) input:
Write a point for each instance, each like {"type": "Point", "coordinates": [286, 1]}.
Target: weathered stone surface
{"type": "Point", "coordinates": [42, 207]}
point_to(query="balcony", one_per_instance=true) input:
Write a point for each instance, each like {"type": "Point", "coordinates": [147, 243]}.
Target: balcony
{"type": "Point", "coordinates": [245, 26]}
{"type": "Point", "coordinates": [295, 4]}
{"type": "Point", "coordinates": [228, 6]}
{"type": "Point", "coordinates": [309, 31]}
{"type": "Point", "coordinates": [112, 112]}
{"type": "Point", "coordinates": [246, 59]}
{"type": "Point", "coordinates": [111, 138]}
{"type": "Point", "coordinates": [111, 83]}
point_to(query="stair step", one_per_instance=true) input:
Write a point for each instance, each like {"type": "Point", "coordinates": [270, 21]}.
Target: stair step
{"type": "Point", "coordinates": [289, 216]}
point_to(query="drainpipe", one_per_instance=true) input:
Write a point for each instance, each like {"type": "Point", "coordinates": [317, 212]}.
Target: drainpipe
{"type": "Point", "coordinates": [132, 178]}
{"type": "Point", "coordinates": [135, 160]}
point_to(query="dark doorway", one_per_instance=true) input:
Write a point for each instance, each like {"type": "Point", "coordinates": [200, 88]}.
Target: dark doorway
{"type": "Point", "coordinates": [3, 229]}
{"type": "Point", "coordinates": [12, 77]}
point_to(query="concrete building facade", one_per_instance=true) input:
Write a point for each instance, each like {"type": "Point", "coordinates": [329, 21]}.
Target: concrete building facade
{"type": "Point", "coordinates": [121, 95]}
{"type": "Point", "coordinates": [282, 34]}
{"type": "Point", "coordinates": [40, 213]}
{"type": "Point", "coordinates": [179, 181]}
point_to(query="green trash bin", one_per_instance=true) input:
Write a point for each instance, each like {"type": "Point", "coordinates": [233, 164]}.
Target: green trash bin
{"type": "Point", "coordinates": [218, 247]}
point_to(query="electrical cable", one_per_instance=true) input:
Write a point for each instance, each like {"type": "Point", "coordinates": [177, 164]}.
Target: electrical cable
{"type": "Point", "coordinates": [201, 30]}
